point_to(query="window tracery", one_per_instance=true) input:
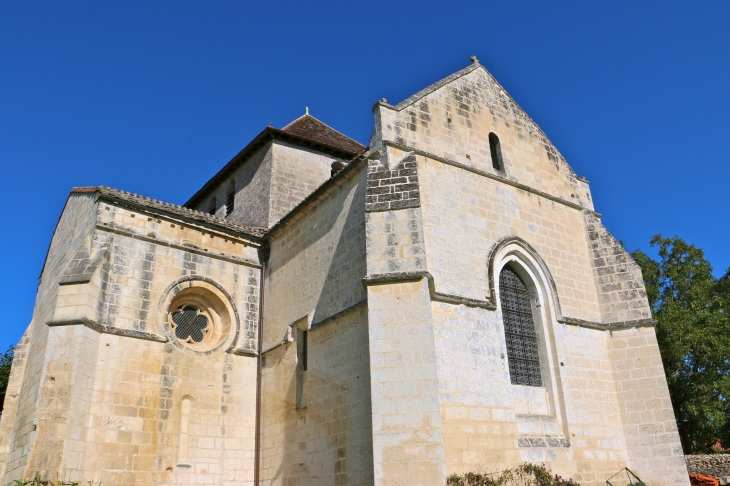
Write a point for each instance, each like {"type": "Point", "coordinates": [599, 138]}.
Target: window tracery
{"type": "Point", "coordinates": [190, 324]}
{"type": "Point", "coordinates": [519, 330]}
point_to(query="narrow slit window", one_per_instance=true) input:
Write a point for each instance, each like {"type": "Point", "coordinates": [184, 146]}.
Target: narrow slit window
{"type": "Point", "coordinates": [496, 152]}
{"type": "Point", "coordinates": [213, 206]}
{"type": "Point", "coordinates": [519, 330]}
{"type": "Point", "coordinates": [302, 348]}
{"type": "Point", "coordinates": [302, 352]}
{"type": "Point", "coordinates": [231, 199]}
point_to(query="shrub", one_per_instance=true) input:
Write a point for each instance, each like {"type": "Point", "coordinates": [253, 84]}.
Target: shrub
{"type": "Point", "coordinates": [524, 475]}
{"type": "Point", "coordinates": [37, 481]}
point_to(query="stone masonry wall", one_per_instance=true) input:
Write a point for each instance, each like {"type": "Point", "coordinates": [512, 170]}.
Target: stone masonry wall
{"type": "Point", "coordinates": [453, 119]}
{"type": "Point", "coordinates": [317, 262]}
{"type": "Point", "coordinates": [408, 443]}
{"type": "Point", "coordinates": [619, 282]}
{"type": "Point", "coordinates": [466, 214]}
{"type": "Point", "coordinates": [717, 465]}
{"type": "Point", "coordinates": [270, 184]}
{"type": "Point", "coordinates": [328, 439]}
{"type": "Point", "coordinates": [650, 428]}
{"type": "Point", "coordinates": [394, 185]}
{"type": "Point", "coordinates": [296, 172]}
{"type": "Point", "coordinates": [111, 389]}
{"type": "Point", "coordinates": [577, 422]}
{"type": "Point", "coordinates": [395, 240]}
{"type": "Point", "coordinates": [12, 396]}
{"type": "Point", "coordinates": [572, 423]}
{"type": "Point", "coordinates": [253, 187]}
{"type": "Point", "coordinates": [73, 229]}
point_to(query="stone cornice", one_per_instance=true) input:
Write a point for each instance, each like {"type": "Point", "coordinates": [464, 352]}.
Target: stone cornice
{"type": "Point", "coordinates": [339, 314]}
{"type": "Point", "coordinates": [120, 230]}
{"type": "Point", "coordinates": [486, 174]}
{"type": "Point", "coordinates": [100, 328]}
{"type": "Point", "coordinates": [613, 326]}
{"type": "Point", "coordinates": [490, 304]}
{"type": "Point", "coordinates": [387, 278]}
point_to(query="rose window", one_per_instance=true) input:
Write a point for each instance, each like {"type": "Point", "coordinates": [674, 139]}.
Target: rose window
{"type": "Point", "coordinates": [190, 324]}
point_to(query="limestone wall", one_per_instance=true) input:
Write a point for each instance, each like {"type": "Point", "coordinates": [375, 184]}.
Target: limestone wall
{"type": "Point", "coordinates": [648, 419]}
{"type": "Point", "coordinates": [466, 214]}
{"type": "Point", "coordinates": [459, 229]}
{"type": "Point", "coordinates": [453, 119]}
{"type": "Point", "coordinates": [296, 172]}
{"type": "Point", "coordinates": [252, 183]}
{"type": "Point", "coordinates": [317, 261]}
{"type": "Point", "coordinates": [619, 283]}
{"type": "Point", "coordinates": [324, 437]}
{"type": "Point", "coordinates": [120, 399]}
{"type": "Point", "coordinates": [572, 423]}
{"type": "Point", "coordinates": [74, 227]}
{"type": "Point", "coordinates": [270, 184]}
{"type": "Point", "coordinates": [717, 465]}
{"type": "Point", "coordinates": [408, 442]}
{"type": "Point", "coordinates": [12, 396]}
{"type": "Point", "coordinates": [316, 423]}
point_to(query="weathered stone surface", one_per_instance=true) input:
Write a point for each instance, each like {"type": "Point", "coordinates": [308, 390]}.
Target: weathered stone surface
{"type": "Point", "coordinates": [385, 359]}
{"type": "Point", "coordinates": [717, 465]}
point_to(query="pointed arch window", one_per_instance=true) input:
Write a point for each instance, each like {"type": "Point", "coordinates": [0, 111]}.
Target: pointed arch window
{"type": "Point", "coordinates": [496, 152]}
{"type": "Point", "coordinates": [519, 330]}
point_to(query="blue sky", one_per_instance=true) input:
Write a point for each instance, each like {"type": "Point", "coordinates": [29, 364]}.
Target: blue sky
{"type": "Point", "coordinates": [154, 97]}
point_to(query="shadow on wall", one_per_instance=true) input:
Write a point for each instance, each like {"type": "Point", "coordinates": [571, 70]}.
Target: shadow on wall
{"type": "Point", "coordinates": [342, 286]}
{"type": "Point", "coordinates": [326, 435]}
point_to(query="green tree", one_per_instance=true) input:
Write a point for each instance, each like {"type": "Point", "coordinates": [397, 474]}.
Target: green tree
{"type": "Point", "coordinates": [6, 360]}
{"type": "Point", "coordinates": [692, 308]}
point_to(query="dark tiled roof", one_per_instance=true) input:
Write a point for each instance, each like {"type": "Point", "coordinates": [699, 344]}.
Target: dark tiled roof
{"type": "Point", "coordinates": [309, 127]}
{"type": "Point", "coordinates": [172, 209]}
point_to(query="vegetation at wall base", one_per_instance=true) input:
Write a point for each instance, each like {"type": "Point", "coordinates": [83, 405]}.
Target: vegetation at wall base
{"type": "Point", "coordinates": [526, 474]}
{"type": "Point", "coordinates": [692, 308]}
{"type": "Point", "coordinates": [37, 481]}
{"type": "Point", "coordinates": [6, 361]}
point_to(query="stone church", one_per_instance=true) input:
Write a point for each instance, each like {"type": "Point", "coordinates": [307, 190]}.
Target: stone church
{"type": "Point", "coordinates": [325, 313]}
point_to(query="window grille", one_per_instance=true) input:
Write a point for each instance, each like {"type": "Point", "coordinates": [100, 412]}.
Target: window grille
{"type": "Point", "coordinates": [190, 325]}
{"type": "Point", "coordinates": [519, 330]}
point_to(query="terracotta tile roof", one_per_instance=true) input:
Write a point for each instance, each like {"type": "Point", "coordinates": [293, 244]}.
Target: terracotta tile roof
{"type": "Point", "coordinates": [172, 209]}
{"type": "Point", "coordinates": [309, 127]}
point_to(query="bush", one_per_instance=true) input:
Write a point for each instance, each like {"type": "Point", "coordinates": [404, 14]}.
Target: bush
{"type": "Point", "coordinates": [37, 481]}
{"type": "Point", "coordinates": [525, 475]}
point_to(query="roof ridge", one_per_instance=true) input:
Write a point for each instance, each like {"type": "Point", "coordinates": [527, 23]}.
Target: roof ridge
{"type": "Point", "coordinates": [323, 123]}
{"type": "Point", "coordinates": [296, 120]}
{"type": "Point", "coordinates": [438, 84]}
{"type": "Point", "coordinates": [307, 116]}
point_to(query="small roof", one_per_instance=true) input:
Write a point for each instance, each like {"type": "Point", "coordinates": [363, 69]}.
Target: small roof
{"type": "Point", "coordinates": [309, 127]}
{"type": "Point", "coordinates": [305, 131]}
{"type": "Point", "coordinates": [142, 202]}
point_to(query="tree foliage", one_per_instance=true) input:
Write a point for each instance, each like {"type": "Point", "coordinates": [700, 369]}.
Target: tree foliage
{"type": "Point", "coordinates": [6, 361]}
{"type": "Point", "coordinates": [692, 308]}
